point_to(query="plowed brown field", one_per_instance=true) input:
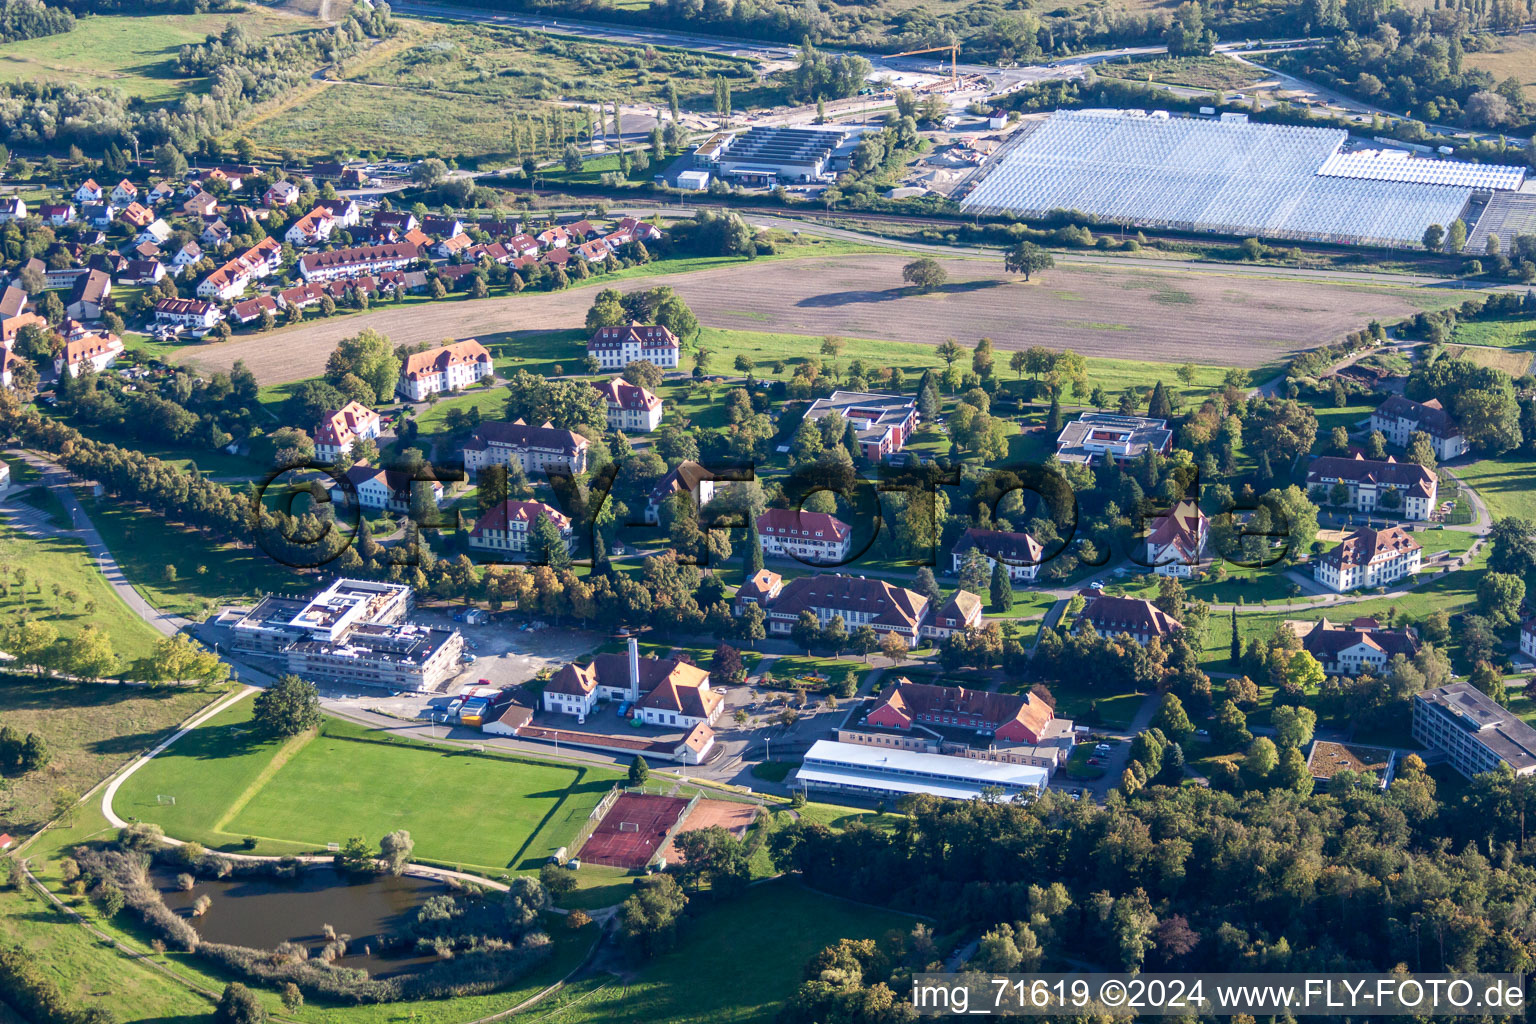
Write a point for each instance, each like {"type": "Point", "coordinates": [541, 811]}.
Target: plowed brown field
{"type": "Point", "coordinates": [1164, 316]}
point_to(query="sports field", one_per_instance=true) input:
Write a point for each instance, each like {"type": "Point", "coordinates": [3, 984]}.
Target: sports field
{"type": "Point", "coordinates": [482, 813]}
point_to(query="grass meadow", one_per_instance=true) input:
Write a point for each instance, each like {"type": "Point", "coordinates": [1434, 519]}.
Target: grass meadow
{"type": "Point", "coordinates": [482, 813]}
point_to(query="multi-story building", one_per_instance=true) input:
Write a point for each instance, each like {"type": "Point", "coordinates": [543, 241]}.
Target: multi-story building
{"type": "Point", "coordinates": [1095, 436]}
{"type": "Point", "coordinates": [617, 347]}
{"type": "Point", "coordinates": [1361, 645]}
{"type": "Point", "coordinates": [630, 406]}
{"type": "Point", "coordinates": [1143, 620]}
{"type": "Point", "coordinates": [960, 612]}
{"type": "Point", "coordinates": [353, 632]}
{"type": "Point", "coordinates": [357, 260]}
{"type": "Point", "coordinates": [961, 722]}
{"type": "Point", "coordinates": [1369, 558]}
{"type": "Point", "coordinates": [1176, 541]}
{"type": "Point", "coordinates": [340, 429]}
{"type": "Point", "coordinates": [447, 368]}
{"type": "Point", "coordinates": [881, 423]}
{"type": "Point", "coordinates": [536, 449]}
{"type": "Point", "coordinates": [689, 477]}
{"type": "Point", "coordinates": [807, 536]}
{"type": "Point", "coordinates": [505, 528]}
{"type": "Point", "coordinates": [192, 314]}
{"type": "Point", "coordinates": [1398, 418]}
{"type": "Point", "coordinates": [385, 489]}
{"type": "Point", "coordinates": [98, 351]}
{"type": "Point", "coordinates": [1528, 638]}
{"type": "Point", "coordinates": [1019, 553]}
{"type": "Point", "coordinates": [1474, 733]}
{"type": "Point", "coordinates": [1375, 485]}
{"type": "Point", "coordinates": [664, 691]}
{"type": "Point", "coordinates": [859, 600]}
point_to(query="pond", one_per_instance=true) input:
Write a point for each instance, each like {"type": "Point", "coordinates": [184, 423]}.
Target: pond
{"type": "Point", "coordinates": [262, 913]}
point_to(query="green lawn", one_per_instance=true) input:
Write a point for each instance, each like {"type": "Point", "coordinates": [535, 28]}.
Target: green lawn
{"type": "Point", "coordinates": [1518, 331]}
{"type": "Point", "coordinates": [763, 939]}
{"type": "Point", "coordinates": [207, 573]}
{"type": "Point", "coordinates": [1507, 484]}
{"type": "Point", "coordinates": [65, 562]}
{"type": "Point", "coordinates": [485, 813]}
{"type": "Point", "coordinates": [132, 53]}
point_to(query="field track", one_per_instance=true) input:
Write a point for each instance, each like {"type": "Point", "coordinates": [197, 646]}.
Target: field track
{"type": "Point", "coordinates": [1163, 316]}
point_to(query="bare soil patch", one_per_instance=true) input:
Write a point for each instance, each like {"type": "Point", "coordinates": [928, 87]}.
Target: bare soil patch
{"type": "Point", "coordinates": [1164, 316]}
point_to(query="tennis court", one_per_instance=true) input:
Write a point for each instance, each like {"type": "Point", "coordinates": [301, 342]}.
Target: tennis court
{"type": "Point", "coordinates": [735, 818]}
{"type": "Point", "coordinates": [632, 830]}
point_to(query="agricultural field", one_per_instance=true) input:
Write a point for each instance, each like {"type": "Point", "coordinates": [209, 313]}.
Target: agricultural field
{"type": "Point", "coordinates": [229, 783]}
{"type": "Point", "coordinates": [1511, 56]}
{"type": "Point", "coordinates": [1515, 362]}
{"type": "Point", "coordinates": [1209, 319]}
{"type": "Point", "coordinates": [132, 53]}
{"type": "Point", "coordinates": [65, 563]}
{"type": "Point", "coordinates": [1217, 73]}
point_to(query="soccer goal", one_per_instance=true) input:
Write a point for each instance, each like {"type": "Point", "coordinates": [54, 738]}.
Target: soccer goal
{"type": "Point", "coordinates": [629, 826]}
{"type": "Point", "coordinates": [165, 798]}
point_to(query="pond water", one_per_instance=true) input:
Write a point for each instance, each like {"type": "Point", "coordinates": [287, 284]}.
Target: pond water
{"type": "Point", "coordinates": [263, 913]}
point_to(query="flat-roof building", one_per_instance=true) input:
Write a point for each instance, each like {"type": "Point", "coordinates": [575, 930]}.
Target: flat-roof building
{"type": "Point", "coordinates": [1098, 435]}
{"type": "Point", "coordinates": [770, 155]}
{"type": "Point", "coordinates": [877, 772]}
{"type": "Point", "coordinates": [353, 631]}
{"type": "Point", "coordinates": [882, 423]}
{"type": "Point", "coordinates": [1474, 733]}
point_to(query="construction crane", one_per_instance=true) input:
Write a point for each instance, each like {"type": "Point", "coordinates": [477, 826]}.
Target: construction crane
{"type": "Point", "coordinates": [954, 59]}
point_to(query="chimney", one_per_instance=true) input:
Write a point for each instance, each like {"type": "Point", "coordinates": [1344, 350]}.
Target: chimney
{"type": "Point", "coordinates": [634, 669]}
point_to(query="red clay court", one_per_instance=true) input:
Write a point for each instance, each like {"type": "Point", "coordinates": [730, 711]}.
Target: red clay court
{"type": "Point", "coordinates": [632, 830]}
{"type": "Point", "coordinates": [735, 818]}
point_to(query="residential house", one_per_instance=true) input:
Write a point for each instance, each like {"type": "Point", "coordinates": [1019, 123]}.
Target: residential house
{"type": "Point", "coordinates": [762, 590]}
{"type": "Point", "coordinates": [201, 204]}
{"type": "Point", "coordinates": [630, 407]}
{"type": "Point", "coordinates": [12, 208]}
{"type": "Point", "coordinates": [881, 423]}
{"type": "Point", "coordinates": [1019, 553]}
{"type": "Point", "coordinates": [399, 220]}
{"type": "Point", "coordinates": [314, 228]}
{"type": "Point", "coordinates": [1095, 436]}
{"type": "Point", "coordinates": [280, 194]}
{"type": "Point", "coordinates": [508, 526]}
{"type": "Point", "coordinates": [376, 488]}
{"type": "Point", "coordinates": [9, 361]}
{"type": "Point", "coordinates": [446, 368]}
{"type": "Point", "coordinates": [124, 192]}
{"type": "Point", "coordinates": [452, 245]}
{"type": "Point", "coordinates": [640, 230]}
{"type": "Point", "coordinates": [1404, 488]}
{"type": "Point", "coordinates": [187, 255]}
{"type": "Point", "coordinates": [538, 449]}
{"type": "Point", "coordinates": [142, 272]}
{"type": "Point", "coordinates": [442, 225]}
{"type": "Point", "coordinates": [137, 215]}
{"type": "Point", "coordinates": [1528, 638]}
{"type": "Point", "coordinates": [1359, 646]}
{"type": "Point", "coordinates": [156, 231]}
{"type": "Point", "coordinates": [1369, 558]}
{"type": "Point", "coordinates": [806, 536]}
{"type": "Point", "coordinates": [340, 429]}
{"type": "Point", "coordinates": [524, 245]}
{"type": "Point", "coordinates": [1143, 620]}
{"type": "Point", "coordinates": [89, 297]}
{"type": "Point", "coordinates": [351, 262]}
{"type": "Point", "coordinates": [11, 326]}
{"type": "Point", "coordinates": [89, 192]}
{"type": "Point", "coordinates": [57, 214]}
{"type": "Point", "coordinates": [233, 277]}
{"type": "Point", "coordinates": [1176, 541]}
{"type": "Point", "coordinates": [689, 477]}
{"type": "Point", "coordinates": [1398, 418]}
{"type": "Point", "coordinates": [617, 347]}
{"type": "Point", "coordinates": [99, 214]}
{"type": "Point", "coordinates": [554, 238]}
{"type": "Point", "coordinates": [858, 599]}
{"type": "Point", "coordinates": [99, 351]}
{"type": "Point", "coordinates": [593, 252]}
{"type": "Point", "coordinates": [251, 309]}
{"type": "Point", "coordinates": [193, 314]}
{"type": "Point", "coordinates": [961, 611]}
{"type": "Point", "coordinates": [162, 192]}
{"type": "Point", "coordinates": [961, 722]}
{"type": "Point", "coordinates": [216, 233]}
{"type": "Point", "coordinates": [14, 301]}
{"type": "Point", "coordinates": [1474, 733]}
{"type": "Point", "coordinates": [64, 277]}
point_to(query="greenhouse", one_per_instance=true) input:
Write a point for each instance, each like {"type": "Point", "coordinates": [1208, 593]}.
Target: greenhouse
{"type": "Point", "coordinates": [1228, 177]}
